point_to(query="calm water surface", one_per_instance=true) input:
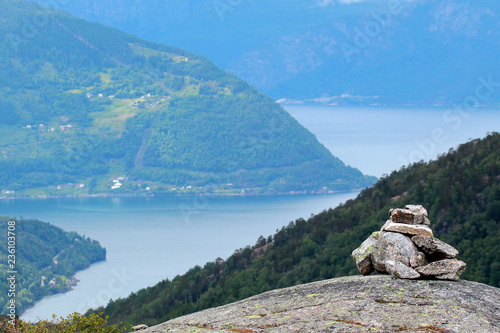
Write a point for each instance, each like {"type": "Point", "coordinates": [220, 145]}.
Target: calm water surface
{"type": "Point", "coordinates": [379, 140]}
{"type": "Point", "coordinates": [150, 239]}
{"type": "Point", "coordinates": [153, 238]}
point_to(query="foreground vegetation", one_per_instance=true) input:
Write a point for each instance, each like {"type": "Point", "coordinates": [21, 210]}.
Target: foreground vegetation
{"type": "Point", "coordinates": [461, 191]}
{"type": "Point", "coordinates": [45, 258]}
{"type": "Point", "coordinates": [73, 323]}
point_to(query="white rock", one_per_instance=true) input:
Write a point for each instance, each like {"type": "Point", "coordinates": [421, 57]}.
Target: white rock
{"type": "Point", "coordinates": [408, 229]}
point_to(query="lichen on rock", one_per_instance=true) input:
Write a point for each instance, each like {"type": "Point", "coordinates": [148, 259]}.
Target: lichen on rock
{"type": "Point", "coordinates": [392, 246]}
{"type": "Point", "coordinates": [446, 269]}
{"type": "Point", "coordinates": [376, 303]}
{"type": "Point", "coordinates": [362, 255]}
{"type": "Point", "coordinates": [393, 252]}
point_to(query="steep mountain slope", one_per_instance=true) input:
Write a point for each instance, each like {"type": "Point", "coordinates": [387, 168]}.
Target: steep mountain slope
{"type": "Point", "coordinates": [422, 52]}
{"type": "Point", "coordinates": [461, 191]}
{"type": "Point", "coordinates": [82, 105]}
{"type": "Point", "coordinates": [45, 258]}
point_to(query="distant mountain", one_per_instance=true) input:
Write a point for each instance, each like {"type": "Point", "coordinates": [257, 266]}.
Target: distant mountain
{"type": "Point", "coordinates": [461, 191]}
{"type": "Point", "coordinates": [423, 52]}
{"type": "Point", "coordinates": [86, 109]}
{"type": "Point", "coordinates": [45, 258]}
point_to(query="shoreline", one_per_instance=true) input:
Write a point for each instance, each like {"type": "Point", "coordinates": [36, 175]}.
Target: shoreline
{"type": "Point", "coordinates": [126, 195]}
{"type": "Point", "coordinates": [334, 101]}
{"type": "Point", "coordinates": [70, 285]}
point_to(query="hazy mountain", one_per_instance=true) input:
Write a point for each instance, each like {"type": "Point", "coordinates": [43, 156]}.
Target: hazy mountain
{"type": "Point", "coordinates": [88, 109]}
{"type": "Point", "coordinates": [421, 52]}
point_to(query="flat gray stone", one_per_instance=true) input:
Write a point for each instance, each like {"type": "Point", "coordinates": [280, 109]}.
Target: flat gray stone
{"type": "Point", "coordinates": [407, 229]}
{"type": "Point", "coordinates": [375, 303]}
{"type": "Point", "coordinates": [446, 269]}
{"type": "Point", "coordinates": [400, 271]}
{"type": "Point", "coordinates": [434, 247]}
{"type": "Point", "coordinates": [362, 255]}
{"type": "Point", "coordinates": [392, 246]}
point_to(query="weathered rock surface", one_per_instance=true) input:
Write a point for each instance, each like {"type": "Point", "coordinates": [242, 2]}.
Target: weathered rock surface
{"type": "Point", "coordinates": [400, 270]}
{"type": "Point", "coordinates": [354, 304]}
{"type": "Point", "coordinates": [435, 247]}
{"type": "Point", "coordinates": [392, 246]}
{"type": "Point", "coordinates": [399, 215]}
{"type": "Point", "coordinates": [362, 255]}
{"type": "Point", "coordinates": [420, 212]}
{"type": "Point", "coordinates": [418, 260]}
{"type": "Point", "coordinates": [393, 252]}
{"type": "Point", "coordinates": [446, 269]}
{"type": "Point", "coordinates": [410, 214]}
{"type": "Point", "coordinates": [408, 229]}
{"type": "Point", "coordinates": [417, 209]}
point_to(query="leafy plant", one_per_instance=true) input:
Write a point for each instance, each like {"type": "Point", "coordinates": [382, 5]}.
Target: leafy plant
{"type": "Point", "coordinates": [93, 323]}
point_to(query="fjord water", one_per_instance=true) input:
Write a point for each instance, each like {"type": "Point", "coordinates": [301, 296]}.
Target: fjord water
{"type": "Point", "coordinates": [378, 140]}
{"type": "Point", "coordinates": [152, 238]}
{"type": "Point", "coordinates": [149, 239]}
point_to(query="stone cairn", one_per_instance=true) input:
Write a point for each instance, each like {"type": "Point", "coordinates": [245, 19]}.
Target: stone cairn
{"type": "Point", "coordinates": [406, 248]}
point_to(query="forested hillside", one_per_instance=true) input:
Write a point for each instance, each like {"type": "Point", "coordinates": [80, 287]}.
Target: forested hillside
{"type": "Point", "coordinates": [86, 109]}
{"type": "Point", "coordinates": [461, 191]}
{"type": "Point", "coordinates": [45, 258]}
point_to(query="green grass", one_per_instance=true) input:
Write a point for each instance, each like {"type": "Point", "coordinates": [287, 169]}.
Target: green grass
{"type": "Point", "coordinates": [115, 116]}
{"type": "Point", "coordinates": [47, 71]}
{"type": "Point", "coordinates": [148, 52]}
{"type": "Point", "coordinates": [105, 77]}
{"type": "Point", "coordinates": [13, 135]}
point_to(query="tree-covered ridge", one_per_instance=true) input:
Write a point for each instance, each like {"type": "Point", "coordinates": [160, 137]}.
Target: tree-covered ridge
{"type": "Point", "coordinates": [46, 257]}
{"type": "Point", "coordinates": [461, 191]}
{"type": "Point", "coordinates": [82, 104]}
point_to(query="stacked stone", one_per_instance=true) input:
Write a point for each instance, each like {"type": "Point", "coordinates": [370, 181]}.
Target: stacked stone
{"type": "Point", "coordinates": [406, 248]}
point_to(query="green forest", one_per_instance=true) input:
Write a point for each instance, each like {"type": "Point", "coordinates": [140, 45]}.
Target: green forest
{"type": "Point", "coordinates": [82, 105]}
{"type": "Point", "coordinates": [46, 258]}
{"type": "Point", "coordinates": [461, 191]}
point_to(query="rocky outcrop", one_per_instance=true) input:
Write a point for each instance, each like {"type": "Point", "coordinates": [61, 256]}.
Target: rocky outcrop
{"type": "Point", "coordinates": [406, 248]}
{"type": "Point", "coordinates": [377, 303]}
